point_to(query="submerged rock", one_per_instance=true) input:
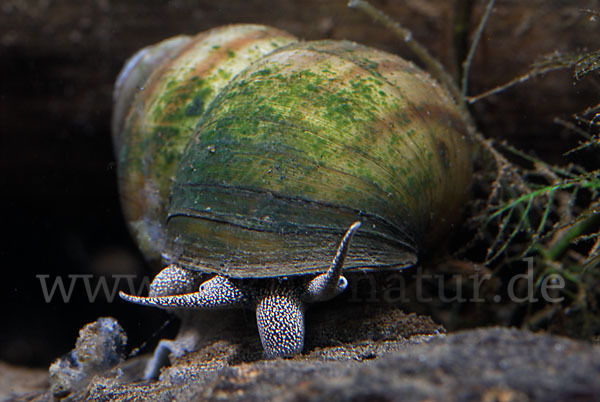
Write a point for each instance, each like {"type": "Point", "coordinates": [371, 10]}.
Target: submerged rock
{"type": "Point", "coordinates": [365, 353]}
{"type": "Point", "coordinates": [484, 364]}
{"type": "Point", "coordinates": [99, 348]}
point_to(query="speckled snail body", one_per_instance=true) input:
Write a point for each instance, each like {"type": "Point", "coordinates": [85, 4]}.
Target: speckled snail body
{"type": "Point", "coordinates": [248, 154]}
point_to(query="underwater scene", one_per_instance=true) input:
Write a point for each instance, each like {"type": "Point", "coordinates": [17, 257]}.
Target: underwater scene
{"type": "Point", "coordinates": [300, 200]}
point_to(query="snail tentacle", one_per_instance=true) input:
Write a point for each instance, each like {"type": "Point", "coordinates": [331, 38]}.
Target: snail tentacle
{"type": "Point", "coordinates": [330, 284]}
{"type": "Point", "coordinates": [280, 319]}
{"type": "Point", "coordinates": [218, 292]}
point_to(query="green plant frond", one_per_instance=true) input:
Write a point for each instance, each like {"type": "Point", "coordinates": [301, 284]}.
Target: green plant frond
{"type": "Point", "coordinates": [537, 217]}
{"type": "Point", "coordinates": [574, 229]}
{"type": "Point", "coordinates": [569, 272]}
{"type": "Point", "coordinates": [525, 198]}
{"type": "Point", "coordinates": [585, 182]}
{"type": "Point", "coordinates": [538, 234]}
{"type": "Point", "coordinates": [523, 221]}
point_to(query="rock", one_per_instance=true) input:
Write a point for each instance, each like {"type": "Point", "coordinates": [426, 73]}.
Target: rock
{"type": "Point", "coordinates": [99, 348]}
{"type": "Point", "coordinates": [385, 355]}
{"type": "Point", "coordinates": [485, 364]}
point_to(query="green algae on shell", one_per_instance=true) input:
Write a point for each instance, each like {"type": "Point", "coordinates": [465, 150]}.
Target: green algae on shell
{"type": "Point", "coordinates": [159, 97]}
{"type": "Point", "coordinates": [307, 140]}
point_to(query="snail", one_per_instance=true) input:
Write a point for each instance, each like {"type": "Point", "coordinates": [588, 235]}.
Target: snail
{"type": "Point", "coordinates": [250, 155]}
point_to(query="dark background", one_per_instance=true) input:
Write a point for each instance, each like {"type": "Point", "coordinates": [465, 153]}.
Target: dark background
{"type": "Point", "coordinates": [58, 62]}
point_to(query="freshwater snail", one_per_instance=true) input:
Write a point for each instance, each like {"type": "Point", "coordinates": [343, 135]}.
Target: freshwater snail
{"type": "Point", "coordinates": [245, 153]}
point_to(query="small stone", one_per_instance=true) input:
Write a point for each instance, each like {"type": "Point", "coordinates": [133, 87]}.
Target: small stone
{"type": "Point", "coordinates": [100, 346]}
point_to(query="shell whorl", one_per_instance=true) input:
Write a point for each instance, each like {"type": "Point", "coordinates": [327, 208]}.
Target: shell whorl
{"type": "Point", "coordinates": [159, 96]}
{"type": "Point", "coordinates": [287, 152]}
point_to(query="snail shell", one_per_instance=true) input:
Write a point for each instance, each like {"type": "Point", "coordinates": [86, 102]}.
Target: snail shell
{"type": "Point", "coordinates": [245, 152]}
